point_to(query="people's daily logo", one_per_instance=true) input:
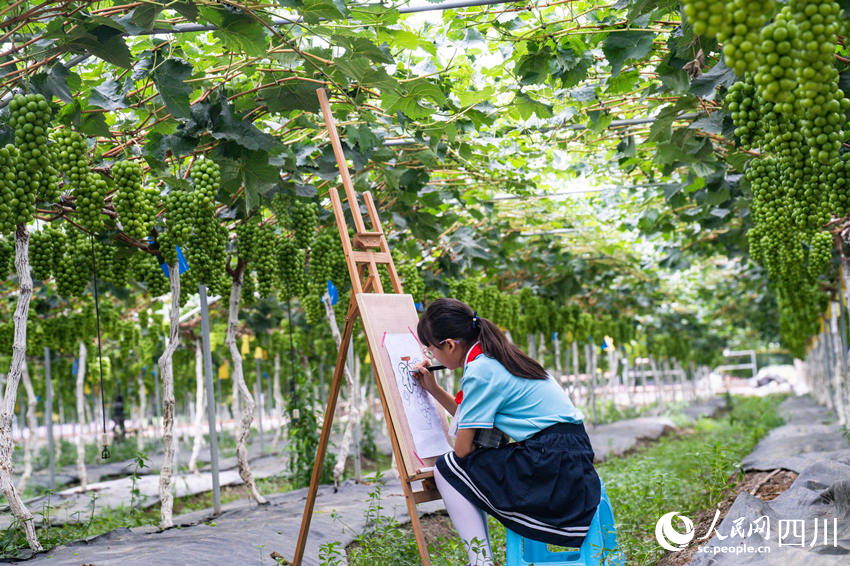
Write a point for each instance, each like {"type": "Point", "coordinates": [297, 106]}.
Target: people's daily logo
{"type": "Point", "coordinates": [667, 535]}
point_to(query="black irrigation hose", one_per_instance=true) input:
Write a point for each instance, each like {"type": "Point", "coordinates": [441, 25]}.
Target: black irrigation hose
{"type": "Point", "coordinates": [105, 452]}
{"type": "Point", "coordinates": [292, 392]}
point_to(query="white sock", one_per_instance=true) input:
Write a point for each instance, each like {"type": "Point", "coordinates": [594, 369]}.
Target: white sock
{"type": "Point", "coordinates": [469, 520]}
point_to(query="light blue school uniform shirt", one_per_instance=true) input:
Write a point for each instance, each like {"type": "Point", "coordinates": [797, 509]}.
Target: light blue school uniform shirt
{"type": "Point", "coordinates": [519, 407]}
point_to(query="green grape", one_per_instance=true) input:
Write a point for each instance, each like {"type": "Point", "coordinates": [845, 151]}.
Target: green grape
{"type": "Point", "coordinates": [180, 215]}
{"type": "Point", "coordinates": [221, 284]}
{"type": "Point", "coordinates": [42, 253]}
{"type": "Point", "coordinates": [71, 155]}
{"type": "Point", "coordinates": [249, 287]}
{"type": "Point", "coordinates": [280, 206]}
{"type": "Point", "coordinates": [7, 258]}
{"type": "Point", "coordinates": [707, 17]}
{"type": "Point", "coordinates": [741, 34]}
{"type": "Point", "coordinates": [746, 112]}
{"type": "Point", "coordinates": [304, 221]}
{"type": "Point", "coordinates": [145, 269]}
{"type": "Point", "coordinates": [73, 271]}
{"type": "Point", "coordinates": [29, 115]}
{"type": "Point", "coordinates": [206, 250]}
{"type": "Point", "coordinates": [89, 197]}
{"type": "Point", "coordinates": [266, 262]}
{"type": "Point", "coordinates": [820, 252]}
{"type": "Point", "coordinates": [135, 203]}
{"type": "Point", "coordinates": [206, 178]}
{"type": "Point", "coordinates": [311, 303]}
{"type": "Point", "coordinates": [248, 239]}
{"type": "Point", "coordinates": [167, 248]}
{"type": "Point", "coordinates": [776, 67]}
{"type": "Point", "coordinates": [327, 261]}
{"type": "Point", "coordinates": [14, 190]}
{"type": "Point", "coordinates": [290, 268]}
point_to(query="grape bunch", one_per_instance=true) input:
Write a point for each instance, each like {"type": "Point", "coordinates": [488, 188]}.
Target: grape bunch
{"type": "Point", "coordinates": [221, 284]}
{"type": "Point", "coordinates": [73, 271]}
{"type": "Point", "coordinates": [415, 285]}
{"type": "Point", "coordinates": [741, 35]}
{"type": "Point", "coordinates": [88, 199]}
{"type": "Point", "coordinates": [320, 267]}
{"type": "Point", "coordinates": [776, 69]}
{"type": "Point", "coordinates": [839, 196]}
{"type": "Point", "coordinates": [206, 250]}
{"type": "Point", "coordinates": [206, 178]}
{"type": "Point", "coordinates": [112, 266]}
{"type": "Point", "coordinates": [290, 262]}
{"type": "Point", "coordinates": [180, 216]}
{"type": "Point", "coordinates": [311, 303]}
{"type": "Point", "coordinates": [707, 17]}
{"type": "Point", "coordinates": [16, 204]}
{"type": "Point", "coordinates": [820, 252]}
{"type": "Point", "coordinates": [42, 253]}
{"type": "Point", "coordinates": [7, 258]}
{"type": "Point", "coordinates": [266, 261]}
{"type": "Point", "coordinates": [305, 218]}
{"type": "Point", "coordinates": [249, 287]}
{"type": "Point", "coordinates": [145, 268]}
{"type": "Point", "coordinates": [135, 203]}
{"type": "Point", "coordinates": [29, 116]}
{"type": "Point", "coordinates": [248, 239]}
{"type": "Point", "coordinates": [280, 207]}
{"type": "Point", "coordinates": [70, 152]}
{"type": "Point", "coordinates": [745, 110]}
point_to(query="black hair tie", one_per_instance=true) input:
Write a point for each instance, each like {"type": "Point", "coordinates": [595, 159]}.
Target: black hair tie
{"type": "Point", "coordinates": [474, 319]}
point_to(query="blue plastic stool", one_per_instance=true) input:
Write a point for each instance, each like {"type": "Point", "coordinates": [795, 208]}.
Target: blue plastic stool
{"type": "Point", "coordinates": [599, 547]}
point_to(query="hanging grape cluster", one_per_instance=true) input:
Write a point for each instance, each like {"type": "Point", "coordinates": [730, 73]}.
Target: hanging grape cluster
{"type": "Point", "coordinates": [71, 155]}
{"type": "Point", "coordinates": [42, 253]}
{"type": "Point", "coordinates": [29, 116]}
{"type": "Point", "coordinates": [145, 268]}
{"type": "Point", "coordinates": [206, 250]}
{"type": "Point", "coordinates": [290, 262]}
{"type": "Point", "coordinates": [206, 179]}
{"type": "Point", "coordinates": [73, 271]}
{"type": "Point", "coordinates": [706, 16]}
{"type": "Point", "coordinates": [135, 203]}
{"type": "Point", "coordinates": [180, 217]}
{"type": "Point", "coordinates": [266, 262]}
{"type": "Point", "coordinates": [740, 34]}
{"type": "Point", "coordinates": [280, 207]}
{"type": "Point", "coordinates": [7, 257]}
{"type": "Point", "coordinates": [88, 200]}
{"type": "Point", "coordinates": [304, 218]}
{"type": "Point", "coordinates": [17, 203]}
{"type": "Point", "coordinates": [790, 109]}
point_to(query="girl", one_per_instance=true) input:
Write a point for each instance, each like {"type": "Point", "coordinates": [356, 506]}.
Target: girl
{"type": "Point", "coordinates": [544, 485]}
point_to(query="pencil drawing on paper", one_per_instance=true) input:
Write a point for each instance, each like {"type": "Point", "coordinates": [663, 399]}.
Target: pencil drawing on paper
{"type": "Point", "coordinates": [429, 437]}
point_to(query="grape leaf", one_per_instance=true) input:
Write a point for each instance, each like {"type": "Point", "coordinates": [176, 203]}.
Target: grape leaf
{"type": "Point", "coordinates": [169, 77]}
{"type": "Point", "coordinates": [622, 46]}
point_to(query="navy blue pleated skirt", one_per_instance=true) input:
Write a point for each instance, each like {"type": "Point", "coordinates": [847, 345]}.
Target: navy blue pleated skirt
{"type": "Point", "coordinates": [544, 488]}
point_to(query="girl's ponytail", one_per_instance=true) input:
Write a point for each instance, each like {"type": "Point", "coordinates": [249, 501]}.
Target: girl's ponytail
{"type": "Point", "coordinates": [451, 318]}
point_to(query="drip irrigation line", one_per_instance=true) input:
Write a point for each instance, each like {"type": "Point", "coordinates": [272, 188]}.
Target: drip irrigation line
{"type": "Point", "coordinates": [105, 452]}
{"type": "Point", "coordinates": [291, 356]}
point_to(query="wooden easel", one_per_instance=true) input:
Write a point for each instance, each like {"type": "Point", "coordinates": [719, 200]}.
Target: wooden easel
{"type": "Point", "coordinates": [364, 252]}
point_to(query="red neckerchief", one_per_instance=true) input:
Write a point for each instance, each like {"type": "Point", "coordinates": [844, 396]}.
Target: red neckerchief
{"type": "Point", "coordinates": [473, 353]}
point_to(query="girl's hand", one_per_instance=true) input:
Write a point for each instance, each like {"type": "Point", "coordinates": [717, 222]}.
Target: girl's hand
{"type": "Point", "coordinates": [424, 377]}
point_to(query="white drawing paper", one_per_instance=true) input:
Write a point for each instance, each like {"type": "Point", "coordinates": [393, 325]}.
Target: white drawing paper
{"type": "Point", "coordinates": [425, 423]}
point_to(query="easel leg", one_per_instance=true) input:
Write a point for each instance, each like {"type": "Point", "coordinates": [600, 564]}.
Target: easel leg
{"type": "Point", "coordinates": [350, 319]}
{"type": "Point", "coordinates": [415, 523]}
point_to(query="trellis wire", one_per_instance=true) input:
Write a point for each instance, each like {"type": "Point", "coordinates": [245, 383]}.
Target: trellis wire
{"type": "Point", "coordinates": [105, 452]}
